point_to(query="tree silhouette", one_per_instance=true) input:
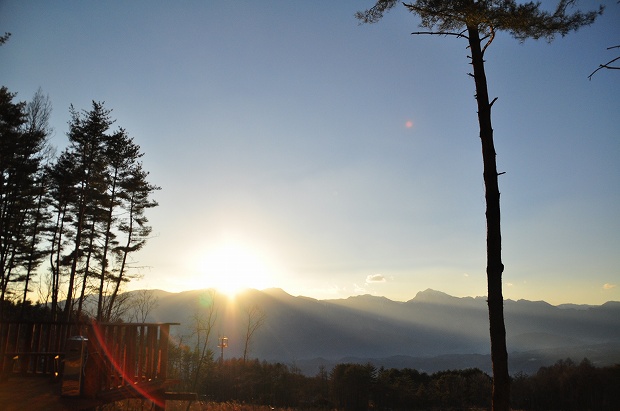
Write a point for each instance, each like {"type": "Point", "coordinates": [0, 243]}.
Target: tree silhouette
{"type": "Point", "coordinates": [477, 21]}
{"type": "Point", "coordinates": [38, 112]}
{"type": "Point", "coordinates": [4, 38]}
{"type": "Point", "coordinates": [254, 319]}
{"type": "Point", "coordinates": [351, 385]}
{"type": "Point", "coordinates": [23, 149]}
{"type": "Point", "coordinates": [609, 65]}
{"type": "Point", "coordinates": [99, 194]}
{"type": "Point", "coordinates": [203, 325]}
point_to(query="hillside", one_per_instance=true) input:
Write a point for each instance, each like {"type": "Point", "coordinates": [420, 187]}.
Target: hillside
{"type": "Point", "coordinates": [430, 332]}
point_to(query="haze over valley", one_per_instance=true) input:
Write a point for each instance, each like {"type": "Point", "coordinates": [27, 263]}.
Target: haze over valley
{"type": "Point", "coordinates": [432, 331]}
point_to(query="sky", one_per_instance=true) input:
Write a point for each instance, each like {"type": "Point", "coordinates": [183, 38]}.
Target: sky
{"type": "Point", "coordinates": [298, 149]}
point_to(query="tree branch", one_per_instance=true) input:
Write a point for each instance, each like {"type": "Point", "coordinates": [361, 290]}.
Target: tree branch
{"type": "Point", "coordinates": [4, 38]}
{"type": "Point", "coordinates": [606, 66]}
{"type": "Point", "coordinates": [440, 33]}
{"type": "Point", "coordinates": [491, 37]}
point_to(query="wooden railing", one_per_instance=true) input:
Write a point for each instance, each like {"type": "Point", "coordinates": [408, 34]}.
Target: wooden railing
{"type": "Point", "coordinates": [125, 357]}
{"type": "Point", "coordinates": [126, 354]}
{"type": "Point", "coordinates": [34, 348]}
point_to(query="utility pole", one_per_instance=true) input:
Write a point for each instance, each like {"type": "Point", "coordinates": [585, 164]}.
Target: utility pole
{"type": "Point", "coordinates": [223, 344]}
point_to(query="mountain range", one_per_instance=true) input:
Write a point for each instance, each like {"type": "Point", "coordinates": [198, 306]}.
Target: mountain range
{"type": "Point", "coordinates": [431, 332]}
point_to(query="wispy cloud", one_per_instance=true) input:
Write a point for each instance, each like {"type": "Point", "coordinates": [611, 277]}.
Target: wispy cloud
{"type": "Point", "coordinates": [375, 278]}
{"type": "Point", "coordinates": [608, 286]}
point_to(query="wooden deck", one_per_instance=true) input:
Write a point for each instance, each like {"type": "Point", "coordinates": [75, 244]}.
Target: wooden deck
{"type": "Point", "coordinates": [38, 393]}
{"type": "Point", "coordinates": [59, 366]}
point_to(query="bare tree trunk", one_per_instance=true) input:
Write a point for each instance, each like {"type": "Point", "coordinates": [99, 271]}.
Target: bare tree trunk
{"type": "Point", "coordinates": [33, 245]}
{"type": "Point", "coordinates": [89, 254]}
{"type": "Point", "coordinates": [203, 324]}
{"type": "Point", "coordinates": [495, 267]}
{"type": "Point", "coordinates": [106, 247]}
{"type": "Point", "coordinates": [255, 319]}
{"type": "Point", "coordinates": [76, 254]}
{"type": "Point", "coordinates": [141, 305]}
{"type": "Point", "coordinates": [55, 259]}
{"type": "Point", "coordinates": [121, 271]}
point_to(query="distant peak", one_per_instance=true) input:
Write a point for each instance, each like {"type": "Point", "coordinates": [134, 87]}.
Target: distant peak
{"type": "Point", "coordinates": [611, 304]}
{"type": "Point", "coordinates": [430, 295]}
{"type": "Point", "coordinates": [275, 292]}
{"type": "Point", "coordinates": [365, 297]}
{"type": "Point", "coordinates": [431, 291]}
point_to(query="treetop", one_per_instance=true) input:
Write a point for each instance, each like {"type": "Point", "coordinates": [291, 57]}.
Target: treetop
{"type": "Point", "coordinates": [522, 21]}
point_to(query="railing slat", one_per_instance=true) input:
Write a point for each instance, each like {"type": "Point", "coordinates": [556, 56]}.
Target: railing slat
{"type": "Point", "coordinates": [130, 359]}
{"type": "Point", "coordinates": [152, 340]}
{"type": "Point", "coordinates": [141, 353]}
{"type": "Point", "coordinates": [164, 337]}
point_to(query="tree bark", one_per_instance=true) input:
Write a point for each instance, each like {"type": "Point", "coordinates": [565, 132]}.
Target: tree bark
{"type": "Point", "coordinates": [495, 267]}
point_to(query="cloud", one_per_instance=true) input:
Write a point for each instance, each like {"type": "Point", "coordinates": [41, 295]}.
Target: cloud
{"type": "Point", "coordinates": [608, 286]}
{"type": "Point", "coordinates": [375, 278]}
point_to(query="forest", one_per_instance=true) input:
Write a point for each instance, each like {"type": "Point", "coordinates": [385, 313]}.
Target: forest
{"type": "Point", "coordinates": [69, 223]}
{"type": "Point", "coordinates": [565, 385]}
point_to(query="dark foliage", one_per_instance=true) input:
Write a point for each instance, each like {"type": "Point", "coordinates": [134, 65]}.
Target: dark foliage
{"type": "Point", "coordinates": [568, 386]}
{"type": "Point", "coordinates": [564, 385]}
{"type": "Point", "coordinates": [25, 310]}
{"type": "Point", "coordinates": [82, 212]}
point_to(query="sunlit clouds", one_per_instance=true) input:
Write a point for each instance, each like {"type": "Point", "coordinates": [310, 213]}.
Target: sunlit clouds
{"type": "Point", "coordinates": [375, 278]}
{"type": "Point", "coordinates": [608, 286]}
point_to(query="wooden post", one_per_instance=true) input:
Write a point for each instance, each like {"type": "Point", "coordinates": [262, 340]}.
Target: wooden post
{"type": "Point", "coordinates": [94, 365]}
{"type": "Point", "coordinates": [164, 340]}
{"type": "Point", "coordinates": [153, 354]}
{"type": "Point", "coordinates": [130, 354]}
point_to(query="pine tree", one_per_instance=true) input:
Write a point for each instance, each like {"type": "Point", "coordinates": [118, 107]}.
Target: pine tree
{"type": "Point", "coordinates": [21, 148]}
{"type": "Point", "coordinates": [135, 195]}
{"type": "Point", "coordinates": [38, 112]}
{"type": "Point", "coordinates": [61, 191]}
{"type": "Point", "coordinates": [477, 21]}
{"type": "Point", "coordinates": [100, 195]}
{"type": "Point", "coordinates": [86, 157]}
{"type": "Point", "coordinates": [12, 153]}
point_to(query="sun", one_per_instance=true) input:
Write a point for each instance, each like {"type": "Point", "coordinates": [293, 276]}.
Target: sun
{"type": "Point", "coordinates": [232, 267]}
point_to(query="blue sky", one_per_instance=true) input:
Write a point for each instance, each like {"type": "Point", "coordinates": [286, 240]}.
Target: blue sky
{"type": "Point", "coordinates": [279, 134]}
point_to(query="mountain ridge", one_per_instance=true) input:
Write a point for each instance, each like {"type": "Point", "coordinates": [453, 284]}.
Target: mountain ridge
{"type": "Point", "coordinates": [433, 324]}
{"type": "Point", "coordinates": [428, 291]}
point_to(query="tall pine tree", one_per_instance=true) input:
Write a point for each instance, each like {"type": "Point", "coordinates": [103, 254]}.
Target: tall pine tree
{"type": "Point", "coordinates": [86, 156]}
{"type": "Point", "coordinates": [477, 21]}
{"type": "Point", "coordinates": [22, 144]}
{"type": "Point", "coordinates": [100, 194]}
